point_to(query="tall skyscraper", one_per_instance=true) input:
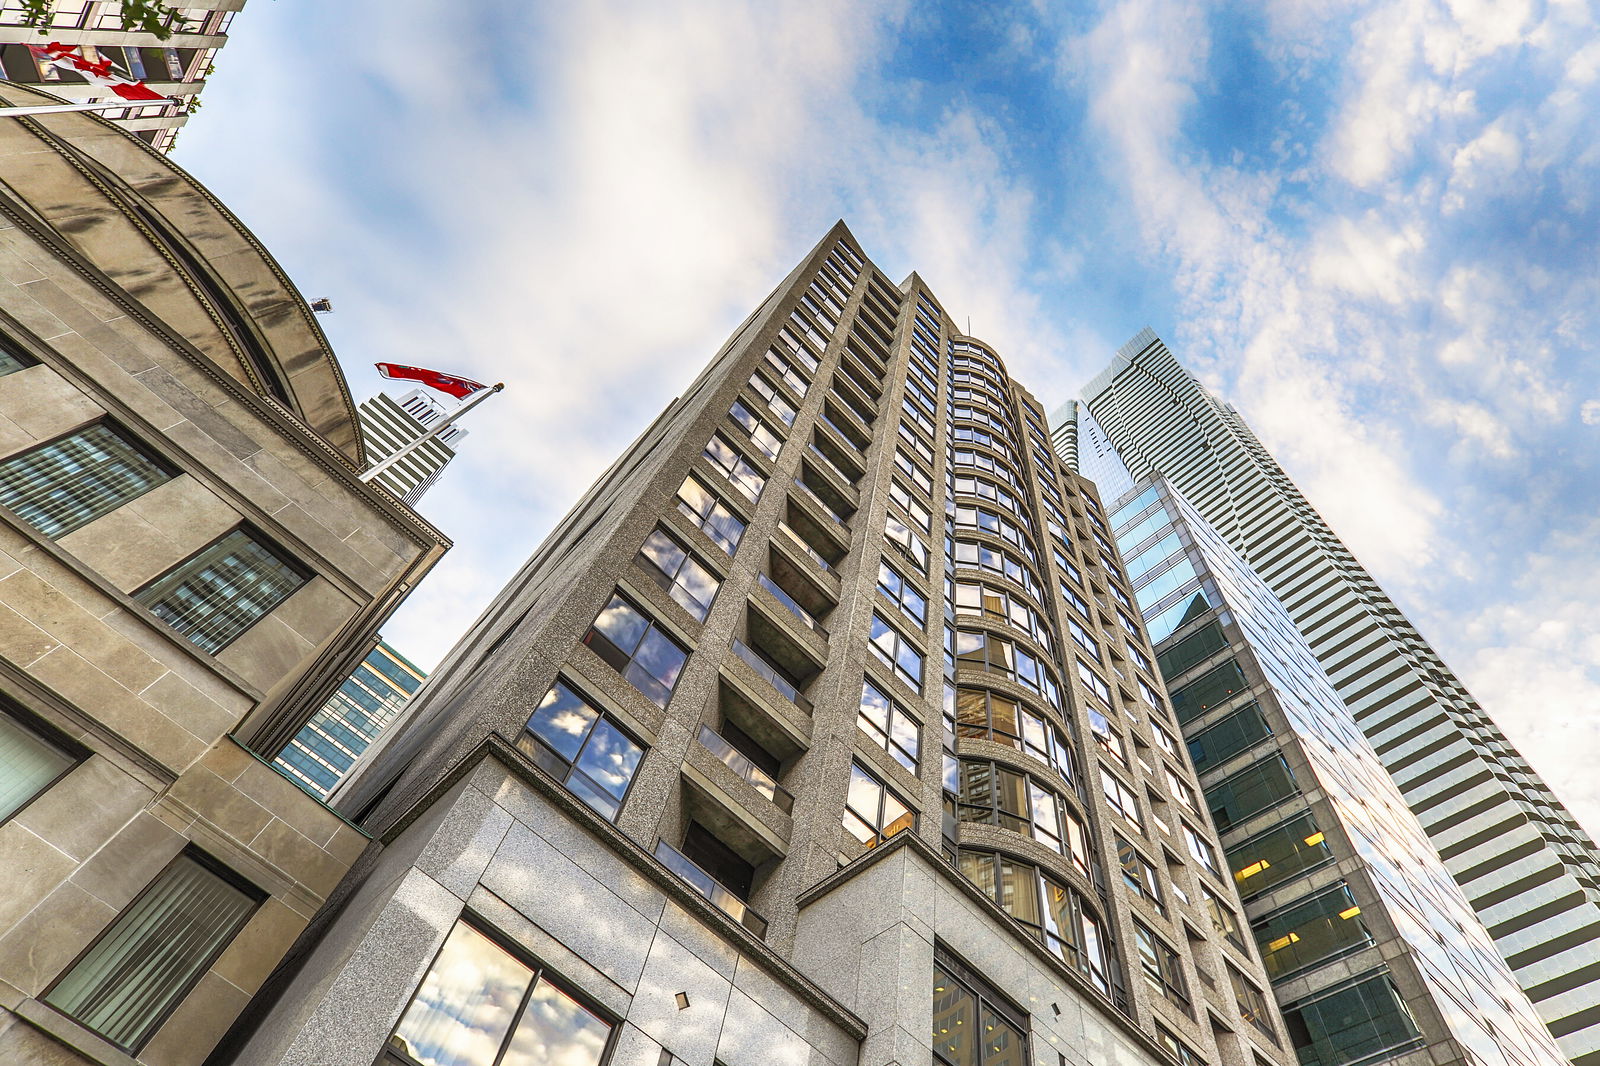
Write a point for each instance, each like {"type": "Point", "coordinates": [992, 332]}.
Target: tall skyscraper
{"type": "Point", "coordinates": [177, 66]}
{"type": "Point", "coordinates": [1528, 870]}
{"type": "Point", "coordinates": [189, 564]}
{"type": "Point", "coordinates": [823, 730]}
{"type": "Point", "coordinates": [389, 424]}
{"type": "Point", "coordinates": [370, 699]}
{"type": "Point", "coordinates": [1347, 900]}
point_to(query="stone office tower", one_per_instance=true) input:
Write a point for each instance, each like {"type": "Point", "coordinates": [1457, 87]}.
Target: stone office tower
{"type": "Point", "coordinates": [822, 731]}
{"type": "Point", "coordinates": [1373, 952]}
{"type": "Point", "coordinates": [1529, 871]}
{"type": "Point", "coordinates": [188, 566]}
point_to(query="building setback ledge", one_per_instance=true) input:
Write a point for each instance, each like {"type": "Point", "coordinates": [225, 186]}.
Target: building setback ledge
{"type": "Point", "coordinates": [521, 767]}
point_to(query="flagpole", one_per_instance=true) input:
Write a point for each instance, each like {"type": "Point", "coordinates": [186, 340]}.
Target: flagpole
{"type": "Point", "coordinates": [374, 471]}
{"type": "Point", "coordinates": [56, 109]}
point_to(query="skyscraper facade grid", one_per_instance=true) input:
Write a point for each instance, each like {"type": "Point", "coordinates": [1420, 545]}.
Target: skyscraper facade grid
{"type": "Point", "coordinates": [1527, 868]}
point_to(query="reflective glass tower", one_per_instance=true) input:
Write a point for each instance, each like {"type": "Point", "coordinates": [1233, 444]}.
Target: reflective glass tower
{"type": "Point", "coordinates": [1347, 901]}
{"type": "Point", "coordinates": [1528, 870]}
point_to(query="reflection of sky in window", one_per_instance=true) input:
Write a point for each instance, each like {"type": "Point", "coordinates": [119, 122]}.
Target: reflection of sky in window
{"type": "Point", "coordinates": [609, 759]}
{"type": "Point", "coordinates": [556, 1031]}
{"type": "Point", "coordinates": [466, 1003]}
{"type": "Point", "coordinates": [562, 720]}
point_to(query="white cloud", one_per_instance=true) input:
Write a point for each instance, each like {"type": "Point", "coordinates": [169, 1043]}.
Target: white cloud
{"type": "Point", "coordinates": [1589, 412]}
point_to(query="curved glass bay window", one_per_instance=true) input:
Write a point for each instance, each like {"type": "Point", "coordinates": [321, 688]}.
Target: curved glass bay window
{"type": "Point", "coordinates": [1054, 913]}
{"type": "Point", "coordinates": [999, 795]}
{"type": "Point", "coordinates": [480, 1005]}
{"type": "Point", "coordinates": [978, 650]}
{"type": "Point", "coordinates": [583, 748]}
{"type": "Point", "coordinates": [634, 644]}
{"type": "Point", "coordinates": [988, 715]}
{"type": "Point", "coordinates": [987, 600]}
{"type": "Point", "coordinates": [69, 482]}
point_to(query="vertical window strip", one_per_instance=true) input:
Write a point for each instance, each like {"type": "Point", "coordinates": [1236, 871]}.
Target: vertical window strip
{"type": "Point", "coordinates": [28, 764]}
{"type": "Point", "coordinates": [218, 594]}
{"type": "Point", "coordinates": [68, 483]}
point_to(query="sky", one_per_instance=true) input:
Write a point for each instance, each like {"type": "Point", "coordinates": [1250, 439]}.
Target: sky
{"type": "Point", "coordinates": [1370, 226]}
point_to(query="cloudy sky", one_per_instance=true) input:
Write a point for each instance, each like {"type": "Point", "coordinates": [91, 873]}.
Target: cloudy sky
{"type": "Point", "coordinates": [1372, 226]}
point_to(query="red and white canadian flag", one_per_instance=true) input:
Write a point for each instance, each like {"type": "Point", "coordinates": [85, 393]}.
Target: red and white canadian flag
{"type": "Point", "coordinates": [67, 57]}
{"type": "Point", "coordinates": [458, 387]}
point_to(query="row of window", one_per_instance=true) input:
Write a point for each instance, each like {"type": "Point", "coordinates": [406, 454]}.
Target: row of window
{"type": "Point", "coordinates": [212, 597]}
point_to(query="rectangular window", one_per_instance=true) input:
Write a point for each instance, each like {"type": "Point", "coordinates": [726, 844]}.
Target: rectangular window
{"type": "Point", "coordinates": [582, 747]}
{"type": "Point", "coordinates": [679, 573]}
{"type": "Point", "coordinates": [29, 764]}
{"type": "Point", "coordinates": [1216, 686]}
{"type": "Point", "coordinates": [735, 467]}
{"type": "Point", "coordinates": [1310, 932]}
{"type": "Point", "coordinates": [1094, 682]}
{"type": "Point", "coordinates": [766, 441]}
{"type": "Point", "coordinates": [1139, 874]}
{"type": "Point", "coordinates": [1120, 796]}
{"type": "Point", "coordinates": [1181, 1053]}
{"type": "Point", "coordinates": [907, 542]}
{"type": "Point", "coordinates": [776, 403]}
{"type": "Point", "coordinates": [1082, 638]}
{"type": "Point", "coordinates": [903, 595]}
{"type": "Point", "coordinates": [1222, 916]}
{"type": "Point", "coordinates": [479, 1005]}
{"type": "Point", "coordinates": [1277, 855]}
{"type": "Point", "coordinates": [971, 1024]}
{"type": "Point", "coordinates": [634, 644]}
{"type": "Point", "coordinates": [1238, 732]}
{"type": "Point", "coordinates": [146, 961]}
{"type": "Point", "coordinates": [1200, 849]}
{"type": "Point", "coordinates": [1252, 1004]}
{"type": "Point", "coordinates": [896, 652]}
{"type": "Point", "coordinates": [1249, 791]}
{"type": "Point", "coordinates": [1192, 650]}
{"type": "Point", "coordinates": [12, 360]}
{"type": "Point", "coordinates": [66, 484]}
{"type": "Point", "coordinates": [214, 596]}
{"type": "Point", "coordinates": [1181, 791]}
{"type": "Point", "coordinates": [701, 506]}
{"type": "Point", "coordinates": [1360, 1021]}
{"type": "Point", "coordinates": [889, 726]}
{"type": "Point", "coordinates": [872, 813]}
{"type": "Point", "coordinates": [1159, 965]}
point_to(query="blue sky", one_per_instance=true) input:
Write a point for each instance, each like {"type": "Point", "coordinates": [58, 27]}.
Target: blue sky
{"type": "Point", "coordinates": [1370, 226]}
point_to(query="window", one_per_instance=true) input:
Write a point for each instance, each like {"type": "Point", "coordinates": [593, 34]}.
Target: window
{"type": "Point", "coordinates": [1310, 932]}
{"type": "Point", "coordinates": [909, 544]}
{"type": "Point", "coordinates": [701, 506]}
{"type": "Point", "coordinates": [889, 726]}
{"type": "Point", "coordinates": [775, 399]}
{"type": "Point", "coordinates": [1252, 1004]}
{"type": "Point", "coordinates": [1200, 849]}
{"type": "Point", "coordinates": [1120, 796]}
{"type": "Point", "coordinates": [479, 1005]}
{"type": "Point", "coordinates": [1181, 791]}
{"type": "Point", "coordinates": [766, 441]}
{"type": "Point", "coordinates": [872, 813]}
{"type": "Point", "coordinates": [971, 1024]}
{"type": "Point", "coordinates": [632, 642]}
{"type": "Point", "coordinates": [66, 484]}
{"type": "Point", "coordinates": [1192, 650]}
{"type": "Point", "coordinates": [996, 655]}
{"type": "Point", "coordinates": [1180, 1052]}
{"type": "Point", "coordinates": [1249, 791]}
{"type": "Point", "coordinates": [991, 716]}
{"type": "Point", "coordinates": [1094, 682]}
{"type": "Point", "coordinates": [1139, 874]}
{"type": "Point", "coordinates": [1159, 965]}
{"type": "Point", "coordinates": [1164, 739]}
{"type": "Point", "coordinates": [786, 372]}
{"type": "Point", "coordinates": [679, 573]}
{"type": "Point", "coordinates": [903, 594]}
{"type": "Point", "coordinates": [740, 474]}
{"type": "Point", "coordinates": [225, 589]}
{"type": "Point", "coordinates": [147, 960]}
{"type": "Point", "coordinates": [1277, 855]}
{"type": "Point", "coordinates": [1053, 913]}
{"type": "Point", "coordinates": [1362, 1020]}
{"type": "Point", "coordinates": [1107, 738]}
{"type": "Point", "coordinates": [1238, 732]}
{"type": "Point", "coordinates": [896, 652]}
{"type": "Point", "coordinates": [901, 496]}
{"type": "Point", "coordinates": [1212, 688]}
{"type": "Point", "coordinates": [1001, 796]}
{"type": "Point", "coordinates": [1081, 637]}
{"type": "Point", "coordinates": [1222, 916]}
{"type": "Point", "coordinates": [12, 360]}
{"type": "Point", "coordinates": [582, 747]}
{"type": "Point", "coordinates": [29, 763]}
{"type": "Point", "coordinates": [1141, 659]}
{"type": "Point", "coordinates": [971, 597]}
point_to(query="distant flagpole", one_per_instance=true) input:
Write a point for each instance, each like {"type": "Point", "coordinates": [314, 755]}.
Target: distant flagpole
{"type": "Point", "coordinates": [56, 109]}
{"type": "Point", "coordinates": [374, 471]}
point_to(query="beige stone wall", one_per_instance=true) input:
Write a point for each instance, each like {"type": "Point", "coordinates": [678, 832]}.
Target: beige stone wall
{"type": "Point", "coordinates": [164, 725]}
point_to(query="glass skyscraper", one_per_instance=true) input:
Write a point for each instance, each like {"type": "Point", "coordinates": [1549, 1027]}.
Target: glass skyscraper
{"type": "Point", "coordinates": [1355, 917]}
{"type": "Point", "coordinates": [1528, 870]}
